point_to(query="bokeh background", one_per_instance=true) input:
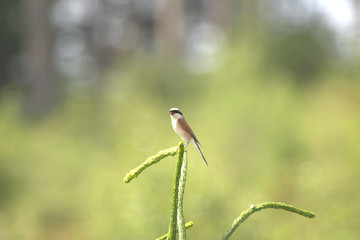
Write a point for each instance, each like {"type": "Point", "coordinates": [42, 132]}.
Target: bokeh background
{"type": "Point", "coordinates": [271, 88]}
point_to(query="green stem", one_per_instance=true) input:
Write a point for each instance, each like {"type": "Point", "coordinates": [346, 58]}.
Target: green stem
{"type": "Point", "coordinates": [187, 226]}
{"type": "Point", "coordinates": [150, 161]}
{"type": "Point", "coordinates": [180, 213]}
{"type": "Point", "coordinates": [246, 213]}
{"type": "Point", "coordinates": [175, 192]}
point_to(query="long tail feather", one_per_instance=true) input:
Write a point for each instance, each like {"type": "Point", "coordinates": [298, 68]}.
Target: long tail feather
{"type": "Point", "coordinates": [198, 148]}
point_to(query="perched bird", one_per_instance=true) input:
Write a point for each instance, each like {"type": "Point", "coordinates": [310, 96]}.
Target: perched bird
{"type": "Point", "coordinates": [182, 129]}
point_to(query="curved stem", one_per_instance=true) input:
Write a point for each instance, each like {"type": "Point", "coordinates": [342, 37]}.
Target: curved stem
{"type": "Point", "coordinates": [150, 161]}
{"type": "Point", "coordinates": [253, 209]}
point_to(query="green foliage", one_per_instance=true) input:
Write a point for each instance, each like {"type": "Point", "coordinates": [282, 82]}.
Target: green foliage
{"type": "Point", "coordinates": [265, 139]}
{"type": "Point", "coordinates": [303, 50]}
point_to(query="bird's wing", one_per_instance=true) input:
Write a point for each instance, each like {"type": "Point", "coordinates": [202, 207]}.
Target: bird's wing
{"type": "Point", "coordinates": [183, 124]}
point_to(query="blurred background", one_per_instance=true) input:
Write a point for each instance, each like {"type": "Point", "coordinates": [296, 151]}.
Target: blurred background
{"type": "Point", "coordinates": [271, 88]}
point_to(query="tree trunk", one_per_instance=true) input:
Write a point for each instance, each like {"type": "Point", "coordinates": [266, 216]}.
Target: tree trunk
{"type": "Point", "coordinates": [222, 13]}
{"type": "Point", "coordinates": [39, 77]}
{"type": "Point", "coordinates": [356, 7]}
{"type": "Point", "coordinates": [169, 26]}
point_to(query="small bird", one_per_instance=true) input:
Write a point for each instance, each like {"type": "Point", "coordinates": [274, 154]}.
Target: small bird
{"type": "Point", "coordinates": [183, 129]}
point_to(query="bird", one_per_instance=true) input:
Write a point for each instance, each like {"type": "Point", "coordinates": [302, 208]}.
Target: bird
{"type": "Point", "coordinates": [182, 128]}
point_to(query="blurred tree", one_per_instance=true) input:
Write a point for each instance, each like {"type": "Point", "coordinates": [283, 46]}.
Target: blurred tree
{"type": "Point", "coordinates": [40, 85]}
{"type": "Point", "coordinates": [9, 187]}
{"type": "Point", "coordinates": [221, 13]}
{"type": "Point", "coordinates": [9, 38]}
{"type": "Point", "coordinates": [302, 50]}
{"type": "Point", "coordinates": [297, 39]}
{"type": "Point", "coordinates": [249, 17]}
{"type": "Point", "coordinates": [356, 6]}
{"type": "Point", "coordinates": [169, 26]}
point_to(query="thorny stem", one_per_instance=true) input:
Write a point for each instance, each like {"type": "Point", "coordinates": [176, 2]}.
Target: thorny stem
{"type": "Point", "coordinates": [150, 161]}
{"type": "Point", "coordinates": [180, 212]}
{"type": "Point", "coordinates": [177, 218]}
{"type": "Point", "coordinates": [187, 226]}
{"type": "Point", "coordinates": [175, 193]}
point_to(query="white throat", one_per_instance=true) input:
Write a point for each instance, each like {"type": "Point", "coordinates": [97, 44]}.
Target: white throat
{"type": "Point", "coordinates": [176, 116]}
{"type": "Point", "coordinates": [174, 121]}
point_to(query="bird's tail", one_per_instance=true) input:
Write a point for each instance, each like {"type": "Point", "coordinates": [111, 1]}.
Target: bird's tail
{"type": "Point", "coordinates": [196, 144]}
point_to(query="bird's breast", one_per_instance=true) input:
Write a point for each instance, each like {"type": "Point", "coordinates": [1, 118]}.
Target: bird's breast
{"type": "Point", "coordinates": [180, 131]}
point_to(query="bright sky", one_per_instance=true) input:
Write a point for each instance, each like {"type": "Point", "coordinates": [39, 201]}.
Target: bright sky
{"type": "Point", "coordinates": [339, 12]}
